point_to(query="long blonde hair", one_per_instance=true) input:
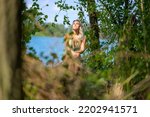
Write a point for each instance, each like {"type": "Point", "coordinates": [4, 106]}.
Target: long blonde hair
{"type": "Point", "coordinates": [74, 43]}
{"type": "Point", "coordinates": [77, 42]}
{"type": "Point", "coordinates": [81, 34]}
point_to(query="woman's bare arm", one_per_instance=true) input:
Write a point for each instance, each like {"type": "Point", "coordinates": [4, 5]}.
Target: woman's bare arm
{"type": "Point", "coordinates": [82, 47]}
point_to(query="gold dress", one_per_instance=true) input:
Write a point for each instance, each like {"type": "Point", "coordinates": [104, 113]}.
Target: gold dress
{"type": "Point", "coordinates": [73, 64]}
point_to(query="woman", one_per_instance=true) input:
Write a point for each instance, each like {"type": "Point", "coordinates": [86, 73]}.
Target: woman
{"type": "Point", "coordinates": [74, 46]}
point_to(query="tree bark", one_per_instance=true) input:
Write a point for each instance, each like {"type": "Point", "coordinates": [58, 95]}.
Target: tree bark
{"type": "Point", "coordinates": [146, 24]}
{"type": "Point", "coordinates": [126, 11]}
{"type": "Point", "coordinates": [94, 31]}
{"type": "Point", "coordinates": [10, 49]}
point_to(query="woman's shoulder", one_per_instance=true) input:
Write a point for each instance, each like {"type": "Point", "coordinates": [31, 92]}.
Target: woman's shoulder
{"type": "Point", "coordinates": [83, 37]}
{"type": "Point", "coordinates": [68, 35]}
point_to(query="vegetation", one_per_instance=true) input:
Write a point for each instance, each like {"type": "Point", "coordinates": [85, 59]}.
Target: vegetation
{"type": "Point", "coordinates": [53, 30]}
{"type": "Point", "coordinates": [125, 25]}
{"type": "Point", "coordinates": [122, 72]}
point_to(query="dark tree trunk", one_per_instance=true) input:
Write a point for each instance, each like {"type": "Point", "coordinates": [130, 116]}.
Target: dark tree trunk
{"type": "Point", "coordinates": [10, 50]}
{"type": "Point", "coordinates": [94, 31]}
{"type": "Point", "coordinates": [146, 25]}
{"type": "Point", "coordinates": [126, 8]}
{"type": "Point", "coordinates": [146, 29]}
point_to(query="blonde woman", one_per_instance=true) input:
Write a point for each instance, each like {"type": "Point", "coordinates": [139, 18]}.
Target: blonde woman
{"type": "Point", "coordinates": [74, 46]}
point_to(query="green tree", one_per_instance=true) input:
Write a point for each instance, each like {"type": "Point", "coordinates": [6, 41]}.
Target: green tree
{"type": "Point", "coordinates": [124, 23]}
{"type": "Point", "coordinates": [53, 30]}
{"type": "Point", "coordinates": [32, 21]}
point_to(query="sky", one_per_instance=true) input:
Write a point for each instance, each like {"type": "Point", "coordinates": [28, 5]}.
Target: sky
{"type": "Point", "coordinates": [53, 10]}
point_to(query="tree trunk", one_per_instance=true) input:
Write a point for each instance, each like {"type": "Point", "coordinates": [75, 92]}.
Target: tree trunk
{"type": "Point", "coordinates": [94, 31]}
{"type": "Point", "coordinates": [146, 29]}
{"type": "Point", "coordinates": [126, 11]}
{"type": "Point", "coordinates": [146, 25]}
{"type": "Point", "coordinates": [10, 51]}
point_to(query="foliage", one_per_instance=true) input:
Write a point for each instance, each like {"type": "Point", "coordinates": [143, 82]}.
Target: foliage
{"type": "Point", "coordinates": [120, 69]}
{"type": "Point", "coordinates": [121, 23]}
{"type": "Point", "coordinates": [53, 30]}
{"type": "Point", "coordinates": [32, 20]}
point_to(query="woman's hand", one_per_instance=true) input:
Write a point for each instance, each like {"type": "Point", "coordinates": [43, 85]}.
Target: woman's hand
{"type": "Point", "coordinates": [75, 54]}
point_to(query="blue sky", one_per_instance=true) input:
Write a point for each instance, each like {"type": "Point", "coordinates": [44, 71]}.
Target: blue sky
{"type": "Point", "coordinates": [52, 10]}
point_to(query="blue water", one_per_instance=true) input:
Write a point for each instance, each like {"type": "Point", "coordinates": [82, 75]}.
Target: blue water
{"type": "Point", "coordinates": [44, 46]}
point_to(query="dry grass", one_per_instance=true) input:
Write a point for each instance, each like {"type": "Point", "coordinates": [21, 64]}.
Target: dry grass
{"type": "Point", "coordinates": [43, 82]}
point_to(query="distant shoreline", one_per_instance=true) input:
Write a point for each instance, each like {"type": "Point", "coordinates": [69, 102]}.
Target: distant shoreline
{"type": "Point", "coordinates": [47, 36]}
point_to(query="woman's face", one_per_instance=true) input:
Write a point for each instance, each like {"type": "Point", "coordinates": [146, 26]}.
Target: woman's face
{"type": "Point", "coordinates": [76, 25]}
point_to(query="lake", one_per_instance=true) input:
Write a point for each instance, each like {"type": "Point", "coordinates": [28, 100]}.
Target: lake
{"type": "Point", "coordinates": [44, 46]}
